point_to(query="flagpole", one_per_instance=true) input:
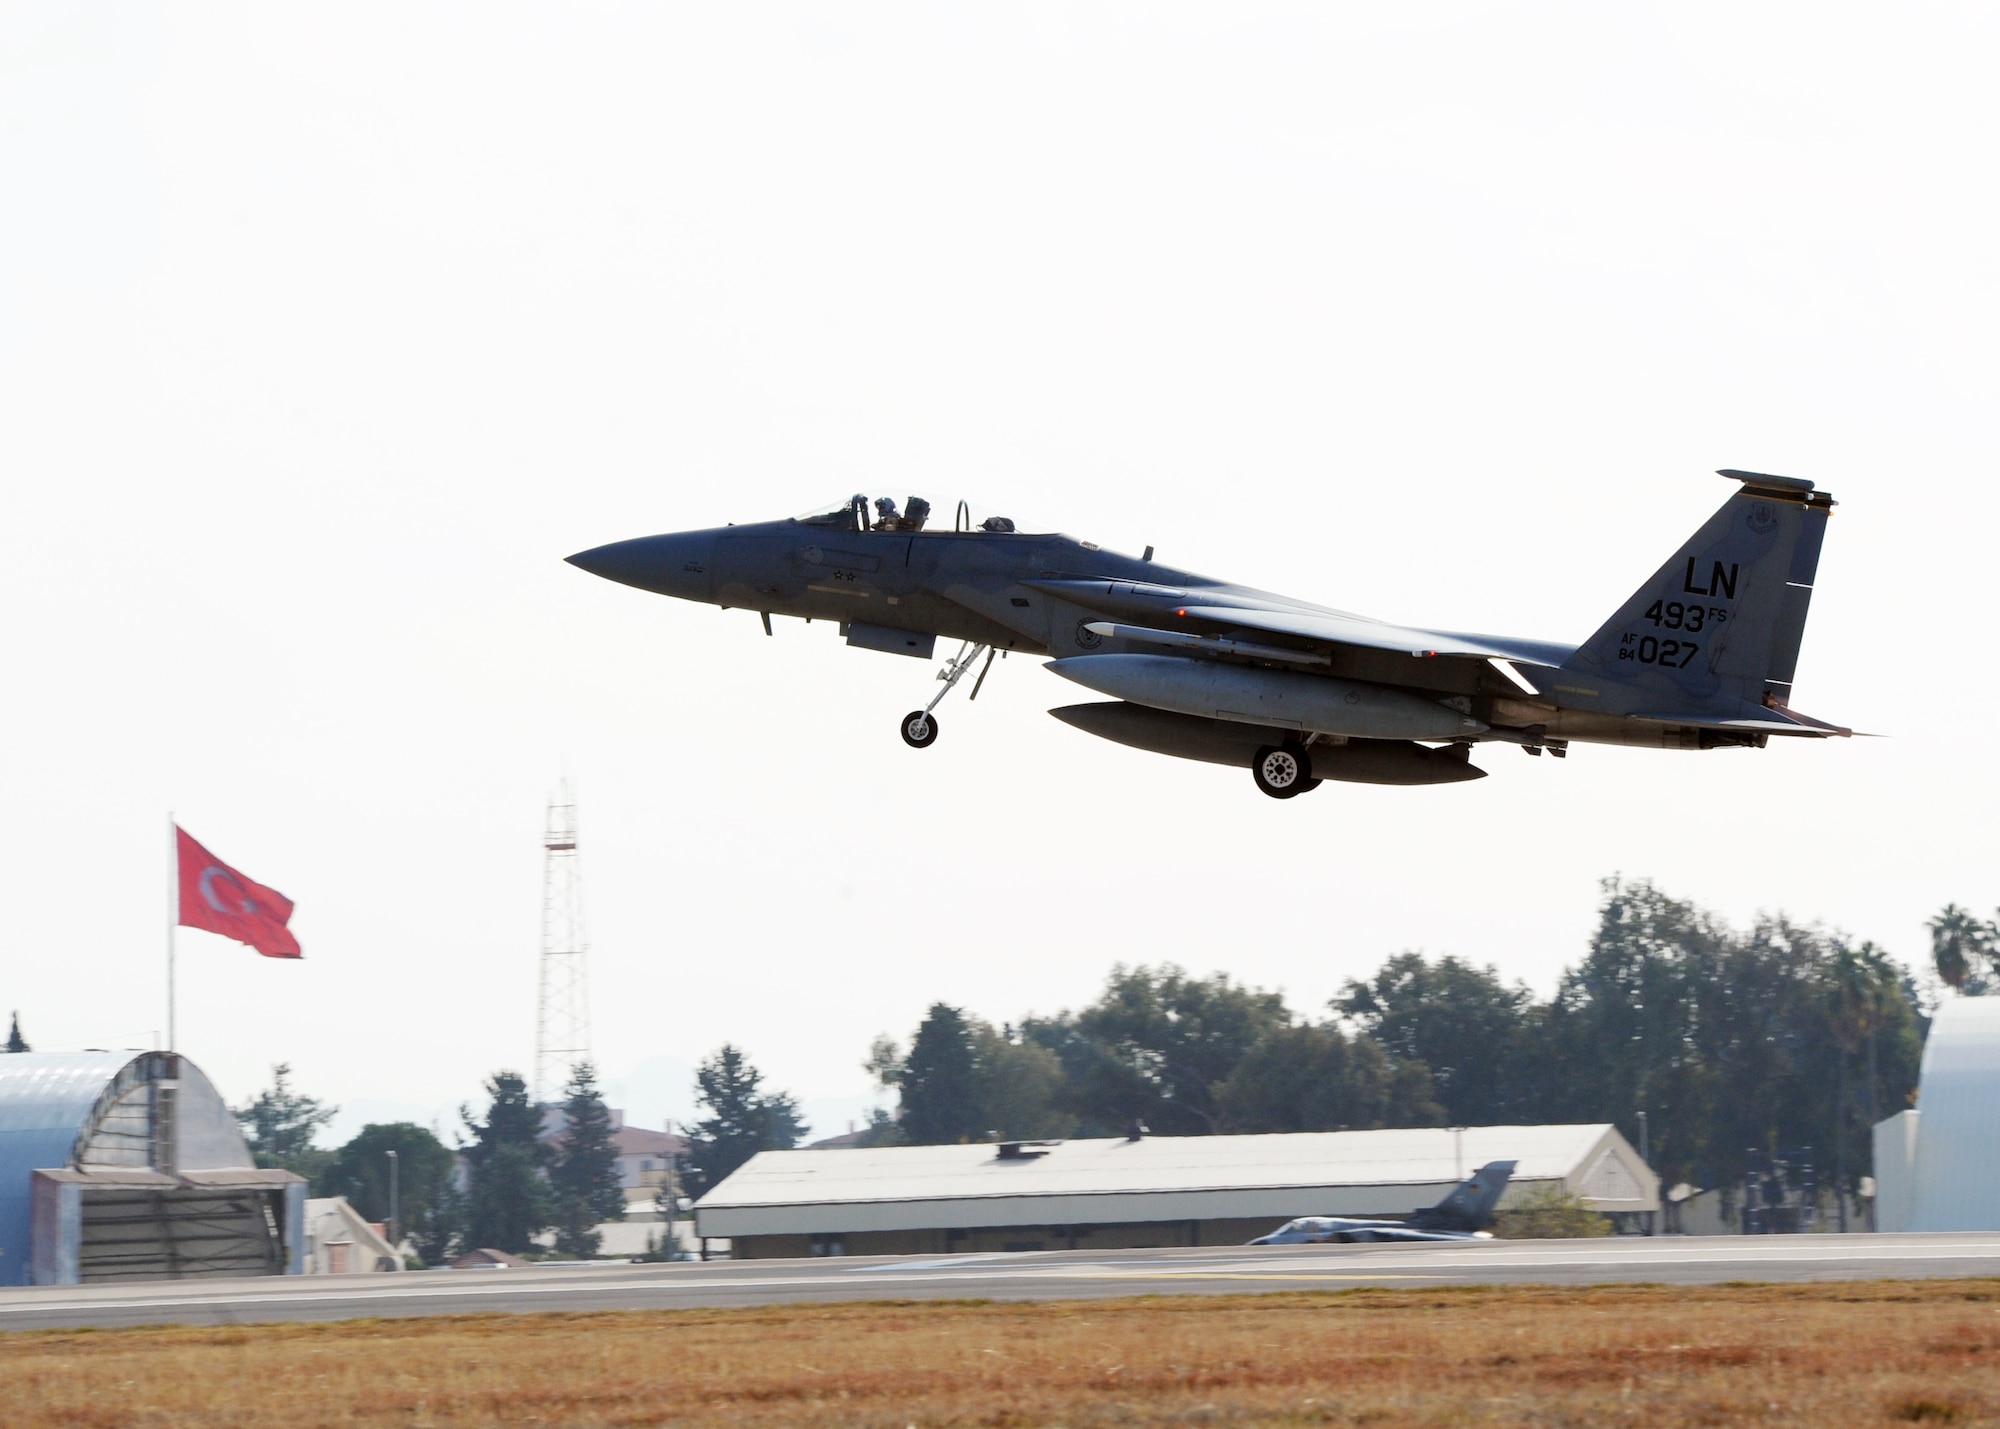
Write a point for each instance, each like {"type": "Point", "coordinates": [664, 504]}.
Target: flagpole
{"type": "Point", "coordinates": [173, 914]}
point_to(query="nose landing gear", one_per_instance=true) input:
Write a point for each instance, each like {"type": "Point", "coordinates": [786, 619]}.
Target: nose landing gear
{"type": "Point", "coordinates": [920, 727]}
{"type": "Point", "coordinates": [1283, 770]}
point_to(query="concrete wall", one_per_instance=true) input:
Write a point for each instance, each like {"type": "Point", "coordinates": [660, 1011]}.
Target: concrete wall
{"type": "Point", "coordinates": [1895, 1170]}
{"type": "Point", "coordinates": [58, 1230]}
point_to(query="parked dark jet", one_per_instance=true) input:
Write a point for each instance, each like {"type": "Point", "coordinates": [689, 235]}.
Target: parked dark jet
{"type": "Point", "coordinates": [1463, 1215]}
{"type": "Point", "coordinates": [1701, 656]}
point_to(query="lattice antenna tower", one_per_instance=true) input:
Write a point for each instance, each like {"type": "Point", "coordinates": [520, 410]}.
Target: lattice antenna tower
{"type": "Point", "coordinates": [562, 1011]}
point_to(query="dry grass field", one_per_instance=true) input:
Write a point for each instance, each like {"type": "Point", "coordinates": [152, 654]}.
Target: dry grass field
{"type": "Point", "coordinates": [1925, 1353]}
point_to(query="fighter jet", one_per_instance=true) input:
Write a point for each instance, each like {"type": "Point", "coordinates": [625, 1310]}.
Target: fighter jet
{"type": "Point", "coordinates": [1462, 1215]}
{"type": "Point", "coordinates": [1700, 657]}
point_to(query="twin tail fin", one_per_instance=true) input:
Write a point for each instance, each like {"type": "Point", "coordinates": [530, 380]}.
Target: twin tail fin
{"type": "Point", "coordinates": [1719, 625]}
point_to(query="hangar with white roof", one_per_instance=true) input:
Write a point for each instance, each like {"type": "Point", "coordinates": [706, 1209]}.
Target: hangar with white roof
{"type": "Point", "coordinates": [1129, 1192]}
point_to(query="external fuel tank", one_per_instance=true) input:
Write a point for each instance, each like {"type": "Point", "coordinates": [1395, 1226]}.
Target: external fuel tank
{"type": "Point", "coordinates": [1247, 694]}
{"type": "Point", "coordinates": [1218, 741]}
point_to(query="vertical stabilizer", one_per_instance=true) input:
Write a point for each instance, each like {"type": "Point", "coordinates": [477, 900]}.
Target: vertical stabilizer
{"type": "Point", "coordinates": [1719, 625]}
{"type": "Point", "coordinates": [1470, 1205]}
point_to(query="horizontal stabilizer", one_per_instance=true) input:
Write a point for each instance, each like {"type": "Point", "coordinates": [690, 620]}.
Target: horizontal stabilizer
{"type": "Point", "coordinates": [1792, 725]}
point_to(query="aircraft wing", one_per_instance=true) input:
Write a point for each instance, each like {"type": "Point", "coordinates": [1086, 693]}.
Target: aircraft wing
{"type": "Point", "coordinates": [1341, 629]}
{"type": "Point", "coordinates": [1168, 608]}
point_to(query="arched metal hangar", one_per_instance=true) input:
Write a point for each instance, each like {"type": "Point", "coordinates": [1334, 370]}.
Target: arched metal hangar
{"type": "Point", "coordinates": [130, 1166]}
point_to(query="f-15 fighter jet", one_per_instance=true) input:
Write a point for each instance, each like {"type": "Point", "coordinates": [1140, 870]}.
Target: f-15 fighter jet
{"type": "Point", "coordinates": [1462, 1215]}
{"type": "Point", "coordinates": [1701, 656]}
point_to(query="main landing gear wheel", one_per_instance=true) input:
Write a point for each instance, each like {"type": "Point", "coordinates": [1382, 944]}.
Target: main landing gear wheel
{"type": "Point", "coordinates": [1283, 771]}
{"type": "Point", "coordinates": [920, 729]}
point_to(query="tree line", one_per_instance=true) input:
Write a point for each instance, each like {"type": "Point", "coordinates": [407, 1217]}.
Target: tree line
{"type": "Point", "coordinates": [516, 1184]}
{"type": "Point", "coordinates": [1725, 1043]}
{"type": "Point", "coordinates": [1778, 1037]}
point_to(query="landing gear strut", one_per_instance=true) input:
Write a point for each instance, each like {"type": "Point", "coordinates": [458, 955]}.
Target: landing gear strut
{"type": "Point", "coordinates": [920, 727]}
{"type": "Point", "coordinates": [1283, 770]}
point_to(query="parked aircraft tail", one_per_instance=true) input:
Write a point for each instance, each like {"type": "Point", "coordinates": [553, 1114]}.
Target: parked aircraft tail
{"type": "Point", "coordinates": [1470, 1205]}
{"type": "Point", "coordinates": [1719, 625]}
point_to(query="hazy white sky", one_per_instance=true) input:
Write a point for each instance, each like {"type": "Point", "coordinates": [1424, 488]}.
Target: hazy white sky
{"type": "Point", "coordinates": [325, 333]}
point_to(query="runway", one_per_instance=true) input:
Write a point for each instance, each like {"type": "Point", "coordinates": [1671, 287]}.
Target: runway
{"type": "Point", "coordinates": [1062, 1275]}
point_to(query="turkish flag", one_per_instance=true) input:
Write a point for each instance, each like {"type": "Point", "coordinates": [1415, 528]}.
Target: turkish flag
{"type": "Point", "coordinates": [218, 899]}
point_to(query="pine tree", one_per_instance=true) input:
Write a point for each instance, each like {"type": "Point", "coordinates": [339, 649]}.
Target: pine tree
{"type": "Point", "coordinates": [444, 1231]}
{"type": "Point", "coordinates": [940, 1083]}
{"type": "Point", "coordinates": [583, 1178]}
{"type": "Point", "coordinates": [281, 1124]}
{"type": "Point", "coordinates": [744, 1121]}
{"type": "Point", "coordinates": [507, 1205]}
{"type": "Point", "coordinates": [15, 1041]}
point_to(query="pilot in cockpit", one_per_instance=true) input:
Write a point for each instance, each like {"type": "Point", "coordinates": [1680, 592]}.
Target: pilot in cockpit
{"type": "Point", "coordinates": [916, 511]}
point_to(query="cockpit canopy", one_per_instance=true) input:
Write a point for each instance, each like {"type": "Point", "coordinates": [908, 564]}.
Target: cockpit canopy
{"type": "Point", "coordinates": [914, 512]}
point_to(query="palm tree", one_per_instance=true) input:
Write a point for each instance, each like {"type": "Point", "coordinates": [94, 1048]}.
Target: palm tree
{"type": "Point", "coordinates": [1860, 984]}
{"type": "Point", "coordinates": [1957, 940]}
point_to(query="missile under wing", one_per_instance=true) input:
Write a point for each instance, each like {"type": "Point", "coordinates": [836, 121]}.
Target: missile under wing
{"type": "Point", "coordinates": [1702, 655]}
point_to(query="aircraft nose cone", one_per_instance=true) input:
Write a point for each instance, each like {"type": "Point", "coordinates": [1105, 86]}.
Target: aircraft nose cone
{"type": "Point", "coordinates": [677, 564]}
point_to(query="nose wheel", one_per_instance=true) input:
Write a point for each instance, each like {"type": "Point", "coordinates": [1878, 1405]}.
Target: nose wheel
{"type": "Point", "coordinates": [920, 727]}
{"type": "Point", "coordinates": [1283, 770]}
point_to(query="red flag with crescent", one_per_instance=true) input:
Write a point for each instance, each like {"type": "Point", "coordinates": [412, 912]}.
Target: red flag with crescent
{"type": "Point", "coordinates": [218, 899]}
